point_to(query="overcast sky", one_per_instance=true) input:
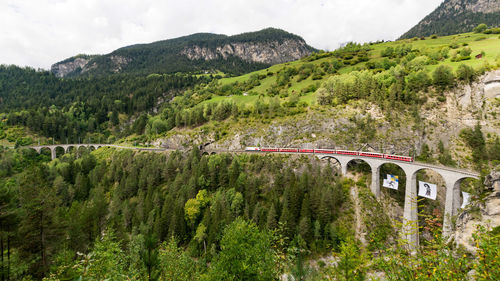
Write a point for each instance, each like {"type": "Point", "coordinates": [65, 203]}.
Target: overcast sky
{"type": "Point", "coordinates": [39, 33]}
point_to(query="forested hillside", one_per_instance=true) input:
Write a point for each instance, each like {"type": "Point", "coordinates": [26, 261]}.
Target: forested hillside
{"type": "Point", "coordinates": [457, 16]}
{"type": "Point", "coordinates": [144, 198]}
{"type": "Point", "coordinates": [72, 110]}
{"type": "Point", "coordinates": [220, 53]}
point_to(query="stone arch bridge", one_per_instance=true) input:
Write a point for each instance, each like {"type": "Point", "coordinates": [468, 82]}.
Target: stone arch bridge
{"type": "Point", "coordinates": [67, 147]}
{"type": "Point", "coordinates": [451, 176]}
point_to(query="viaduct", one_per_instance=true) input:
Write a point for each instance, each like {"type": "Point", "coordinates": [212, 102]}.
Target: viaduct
{"type": "Point", "coordinates": [451, 176]}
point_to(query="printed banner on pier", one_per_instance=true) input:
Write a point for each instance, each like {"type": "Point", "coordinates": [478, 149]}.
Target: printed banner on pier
{"type": "Point", "coordinates": [427, 190]}
{"type": "Point", "coordinates": [391, 182]}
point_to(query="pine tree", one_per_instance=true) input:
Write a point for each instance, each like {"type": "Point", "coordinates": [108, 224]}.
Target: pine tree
{"type": "Point", "coordinates": [39, 227]}
{"type": "Point", "coordinates": [272, 221]}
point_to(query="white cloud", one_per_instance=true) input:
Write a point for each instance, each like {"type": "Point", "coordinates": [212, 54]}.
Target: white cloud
{"type": "Point", "coordinates": [41, 32]}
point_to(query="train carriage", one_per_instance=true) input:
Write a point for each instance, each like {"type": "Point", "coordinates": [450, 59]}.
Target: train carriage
{"type": "Point", "coordinates": [372, 154]}
{"type": "Point", "coordinates": [398, 157]}
{"type": "Point", "coordinates": [326, 151]}
{"type": "Point", "coordinates": [289, 150]}
{"type": "Point", "coordinates": [270, 149]}
{"type": "Point", "coordinates": [347, 152]}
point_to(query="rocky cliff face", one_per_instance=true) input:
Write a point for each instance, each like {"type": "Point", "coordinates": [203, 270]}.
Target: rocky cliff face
{"type": "Point", "coordinates": [67, 67]}
{"type": "Point", "coordinates": [273, 52]}
{"type": "Point", "coordinates": [457, 16]}
{"type": "Point", "coordinates": [80, 65]}
{"type": "Point", "coordinates": [476, 6]}
{"type": "Point", "coordinates": [481, 212]}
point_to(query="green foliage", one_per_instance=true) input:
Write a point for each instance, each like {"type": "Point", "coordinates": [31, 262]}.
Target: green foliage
{"type": "Point", "coordinates": [378, 226]}
{"type": "Point", "coordinates": [351, 264]}
{"type": "Point", "coordinates": [486, 264]}
{"type": "Point", "coordinates": [106, 261]}
{"type": "Point", "coordinates": [465, 73]}
{"type": "Point", "coordinates": [475, 140]}
{"type": "Point", "coordinates": [246, 254]}
{"type": "Point", "coordinates": [480, 28]}
{"type": "Point", "coordinates": [175, 265]}
{"type": "Point", "coordinates": [495, 30]}
{"type": "Point", "coordinates": [442, 77]}
{"type": "Point", "coordinates": [340, 89]}
{"type": "Point", "coordinates": [146, 198]}
{"type": "Point", "coordinates": [73, 109]}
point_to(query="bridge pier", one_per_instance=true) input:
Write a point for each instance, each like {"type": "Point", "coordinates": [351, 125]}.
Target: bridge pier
{"type": "Point", "coordinates": [452, 203]}
{"type": "Point", "coordinates": [53, 153]}
{"type": "Point", "coordinates": [409, 231]}
{"type": "Point", "coordinates": [375, 186]}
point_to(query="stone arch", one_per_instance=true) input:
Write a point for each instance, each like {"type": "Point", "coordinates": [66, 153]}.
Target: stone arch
{"type": "Point", "coordinates": [80, 149]}
{"type": "Point", "coordinates": [212, 153]}
{"type": "Point", "coordinates": [70, 149]}
{"type": "Point", "coordinates": [204, 153]}
{"type": "Point", "coordinates": [45, 150]}
{"type": "Point", "coordinates": [457, 192]}
{"type": "Point", "coordinates": [428, 205]}
{"type": "Point", "coordinates": [398, 170]}
{"type": "Point", "coordinates": [350, 162]}
{"type": "Point", "coordinates": [337, 163]}
{"type": "Point", "coordinates": [374, 168]}
{"type": "Point", "coordinates": [59, 151]}
{"type": "Point", "coordinates": [441, 184]}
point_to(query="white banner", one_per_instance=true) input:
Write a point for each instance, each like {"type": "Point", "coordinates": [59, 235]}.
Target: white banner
{"type": "Point", "coordinates": [391, 182]}
{"type": "Point", "coordinates": [466, 201]}
{"type": "Point", "coordinates": [427, 190]}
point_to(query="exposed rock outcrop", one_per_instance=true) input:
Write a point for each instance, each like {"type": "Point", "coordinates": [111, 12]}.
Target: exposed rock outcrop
{"type": "Point", "coordinates": [273, 52]}
{"type": "Point", "coordinates": [67, 67]}
{"type": "Point", "coordinates": [486, 214]}
{"type": "Point", "coordinates": [79, 65]}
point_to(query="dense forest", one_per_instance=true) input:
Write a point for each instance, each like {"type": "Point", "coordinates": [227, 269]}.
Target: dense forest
{"type": "Point", "coordinates": [121, 215]}
{"type": "Point", "coordinates": [62, 208]}
{"type": "Point", "coordinates": [75, 109]}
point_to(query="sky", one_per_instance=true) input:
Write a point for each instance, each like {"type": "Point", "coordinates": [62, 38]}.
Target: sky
{"type": "Point", "coordinates": [38, 33]}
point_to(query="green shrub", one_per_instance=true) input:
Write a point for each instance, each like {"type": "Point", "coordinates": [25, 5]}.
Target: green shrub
{"type": "Point", "coordinates": [443, 77]}
{"type": "Point", "coordinates": [495, 30]}
{"type": "Point", "coordinates": [465, 73]}
{"type": "Point", "coordinates": [480, 28]}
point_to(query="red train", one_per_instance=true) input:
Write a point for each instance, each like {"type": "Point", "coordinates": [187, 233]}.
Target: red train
{"type": "Point", "coordinates": [332, 151]}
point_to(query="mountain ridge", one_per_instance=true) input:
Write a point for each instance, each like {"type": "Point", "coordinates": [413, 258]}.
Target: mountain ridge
{"type": "Point", "coordinates": [457, 16]}
{"type": "Point", "coordinates": [199, 52]}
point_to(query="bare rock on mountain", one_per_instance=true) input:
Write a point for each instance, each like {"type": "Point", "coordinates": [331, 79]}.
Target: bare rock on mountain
{"type": "Point", "coordinates": [273, 52]}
